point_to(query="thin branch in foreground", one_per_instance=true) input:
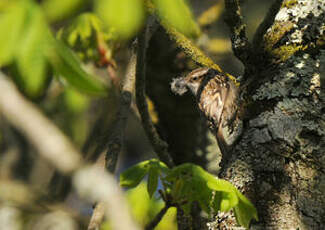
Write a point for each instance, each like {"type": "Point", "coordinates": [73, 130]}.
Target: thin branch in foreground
{"type": "Point", "coordinates": [42, 133]}
{"type": "Point", "coordinates": [92, 183]}
{"type": "Point", "coordinates": [159, 146]}
{"type": "Point", "coordinates": [240, 44]}
{"type": "Point", "coordinates": [99, 186]}
{"type": "Point", "coordinates": [97, 217]}
{"type": "Point", "coordinates": [157, 218]}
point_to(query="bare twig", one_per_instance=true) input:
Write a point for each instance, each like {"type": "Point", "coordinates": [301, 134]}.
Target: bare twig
{"type": "Point", "coordinates": [160, 146]}
{"type": "Point", "coordinates": [157, 218]}
{"type": "Point", "coordinates": [240, 44]}
{"type": "Point", "coordinates": [97, 217]}
{"type": "Point", "coordinates": [116, 140]}
{"type": "Point", "coordinates": [99, 186]}
{"type": "Point", "coordinates": [92, 183]}
{"type": "Point", "coordinates": [115, 143]}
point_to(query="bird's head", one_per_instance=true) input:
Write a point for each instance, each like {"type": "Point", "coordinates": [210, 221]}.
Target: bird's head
{"type": "Point", "coordinates": [191, 81]}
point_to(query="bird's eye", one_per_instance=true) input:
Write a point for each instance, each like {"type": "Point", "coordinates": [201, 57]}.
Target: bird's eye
{"type": "Point", "coordinates": [195, 78]}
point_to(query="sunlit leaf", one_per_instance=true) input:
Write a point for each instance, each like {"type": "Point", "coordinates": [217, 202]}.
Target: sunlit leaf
{"type": "Point", "coordinates": [60, 9]}
{"type": "Point", "coordinates": [68, 66]}
{"type": "Point", "coordinates": [229, 197]}
{"type": "Point", "coordinates": [227, 191]}
{"type": "Point", "coordinates": [124, 16]}
{"type": "Point", "coordinates": [177, 15]}
{"type": "Point", "coordinates": [139, 202]}
{"type": "Point", "coordinates": [244, 211]}
{"type": "Point", "coordinates": [189, 184]}
{"type": "Point", "coordinates": [75, 101]}
{"type": "Point", "coordinates": [218, 46]}
{"type": "Point", "coordinates": [87, 36]}
{"type": "Point", "coordinates": [31, 61]}
{"type": "Point", "coordinates": [131, 177]}
{"type": "Point", "coordinates": [168, 221]}
{"type": "Point", "coordinates": [82, 29]}
{"type": "Point", "coordinates": [12, 18]}
{"type": "Point", "coordinates": [212, 14]}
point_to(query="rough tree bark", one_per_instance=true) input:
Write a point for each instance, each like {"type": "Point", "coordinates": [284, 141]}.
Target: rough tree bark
{"type": "Point", "coordinates": [278, 162]}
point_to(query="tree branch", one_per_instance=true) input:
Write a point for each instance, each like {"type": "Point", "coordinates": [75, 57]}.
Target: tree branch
{"type": "Point", "coordinates": [116, 140]}
{"type": "Point", "coordinates": [92, 183]}
{"type": "Point", "coordinates": [240, 44]}
{"type": "Point", "coordinates": [115, 143]}
{"type": "Point", "coordinates": [160, 146]}
{"type": "Point", "coordinates": [43, 134]}
{"type": "Point", "coordinates": [157, 218]}
{"type": "Point", "coordinates": [267, 22]}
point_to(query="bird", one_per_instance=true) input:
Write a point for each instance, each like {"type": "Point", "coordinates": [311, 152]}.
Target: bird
{"type": "Point", "coordinates": [217, 99]}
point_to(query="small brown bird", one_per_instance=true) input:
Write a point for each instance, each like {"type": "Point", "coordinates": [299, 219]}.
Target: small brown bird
{"type": "Point", "coordinates": [217, 99]}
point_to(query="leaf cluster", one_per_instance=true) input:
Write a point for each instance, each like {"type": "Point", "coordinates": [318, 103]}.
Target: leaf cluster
{"type": "Point", "coordinates": [31, 53]}
{"type": "Point", "coordinates": [188, 183]}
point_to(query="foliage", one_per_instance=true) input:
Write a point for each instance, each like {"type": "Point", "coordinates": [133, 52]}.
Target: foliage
{"type": "Point", "coordinates": [38, 52]}
{"type": "Point", "coordinates": [188, 183]}
{"type": "Point", "coordinates": [125, 17]}
{"type": "Point", "coordinates": [61, 9]}
{"type": "Point", "coordinates": [144, 209]}
{"type": "Point", "coordinates": [177, 15]}
{"type": "Point", "coordinates": [31, 52]}
{"type": "Point", "coordinates": [68, 65]}
{"type": "Point", "coordinates": [86, 36]}
{"type": "Point", "coordinates": [211, 15]}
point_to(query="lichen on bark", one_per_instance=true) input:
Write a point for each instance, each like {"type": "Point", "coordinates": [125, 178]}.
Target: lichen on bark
{"type": "Point", "coordinates": [298, 25]}
{"type": "Point", "coordinates": [279, 160]}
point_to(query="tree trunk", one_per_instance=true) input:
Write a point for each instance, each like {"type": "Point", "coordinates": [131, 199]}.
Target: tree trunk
{"type": "Point", "coordinates": [279, 160]}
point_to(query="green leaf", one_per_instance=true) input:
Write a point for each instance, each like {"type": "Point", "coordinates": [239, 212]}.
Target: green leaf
{"type": "Point", "coordinates": [87, 37]}
{"type": "Point", "coordinates": [75, 101]}
{"type": "Point", "coordinates": [83, 29]}
{"type": "Point", "coordinates": [60, 9]}
{"type": "Point", "coordinates": [124, 16]}
{"type": "Point", "coordinates": [131, 177]}
{"type": "Point", "coordinates": [152, 180]}
{"type": "Point", "coordinates": [176, 14]}
{"type": "Point", "coordinates": [189, 184]}
{"type": "Point", "coordinates": [68, 66]}
{"type": "Point", "coordinates": [30, 58]}
{"type": "Point", "coordinates": [12, 18]}
{"type": "Point", "coordinates": [244, 211]}
{"type": "Point", "coordinates": [139, 202]}
{"type": "Point", "coordinates": [228, 196]}
{"type": "Point", "coordinates": [221, 185]}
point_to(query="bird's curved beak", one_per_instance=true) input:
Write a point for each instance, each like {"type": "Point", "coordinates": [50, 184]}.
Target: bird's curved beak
{"type": "Point", "coordinates": [178, 86]}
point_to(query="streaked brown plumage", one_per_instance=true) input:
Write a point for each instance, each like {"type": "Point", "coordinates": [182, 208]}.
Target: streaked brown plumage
{"type": "Point", "coordinates": [216, 96]}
